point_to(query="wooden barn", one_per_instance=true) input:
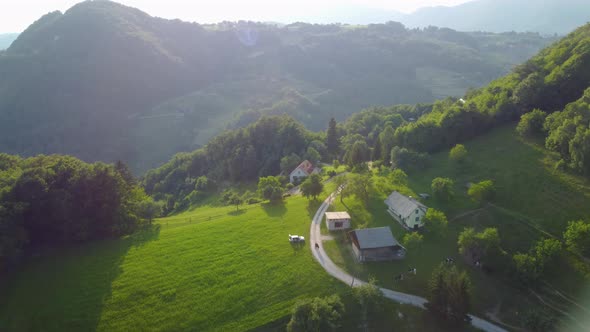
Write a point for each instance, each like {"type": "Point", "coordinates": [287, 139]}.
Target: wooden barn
{"type": "Point", "coordinates": [376, 244]}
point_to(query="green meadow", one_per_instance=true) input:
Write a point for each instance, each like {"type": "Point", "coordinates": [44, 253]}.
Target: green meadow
{"type": "Point", "coordinates": [213, 268]}
{"type": "Point", "coordinates": [533, 201]}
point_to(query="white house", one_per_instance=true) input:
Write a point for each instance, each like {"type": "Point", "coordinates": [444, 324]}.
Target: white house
{"type": "Point", "coordinates": [337, 220]}
{"type": "Point", "coordinates": [406, 210]}
{"type": "Point", "coordinates": [302, 171]}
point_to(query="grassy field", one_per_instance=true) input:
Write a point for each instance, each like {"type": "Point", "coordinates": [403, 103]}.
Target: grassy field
{"type": "Point", "coordinates": [210, 269]}
{"type": "Point", "coordinates": [533, 202]}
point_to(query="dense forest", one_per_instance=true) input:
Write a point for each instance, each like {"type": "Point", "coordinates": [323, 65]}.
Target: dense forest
{"type": "Point", "coordinates": [555, 77]}
{"type": "Point", "coordinates": [59, 200]}
{"type": "Point", "coordinates": [271, 145]}
{"type": "Point", "coordinates": [402, 135]}
{"type": "Point", "coordinates": [106, 82]}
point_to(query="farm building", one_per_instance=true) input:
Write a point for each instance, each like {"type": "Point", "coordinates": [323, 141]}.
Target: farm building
{"type": "Point", "coordinates": [302, 171]}
{"type": "Point", "coordinates": [337, 220]}
{"type": "Point", "coordinates": [375, 244]}
{"type": "Point", "coordinates": [406, 210]}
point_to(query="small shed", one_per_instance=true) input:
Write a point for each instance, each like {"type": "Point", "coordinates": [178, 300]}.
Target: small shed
{"type": "Point", "coordinates": [376, 244]}
{"type": "Point", "coordinates": [337, 220]}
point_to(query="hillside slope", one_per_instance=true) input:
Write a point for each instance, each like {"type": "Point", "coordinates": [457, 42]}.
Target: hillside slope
{"type": "Point", "coordinates": [103, 81]}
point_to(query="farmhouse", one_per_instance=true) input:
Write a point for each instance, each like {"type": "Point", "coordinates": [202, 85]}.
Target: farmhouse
{"type": "Point", "coordinates": [337, 220]}
{"type": "Point", "coordinates": [406, 210]}
{"type": "Point", "coordinates": [302, 171]}
{"type": "Point", "coordinates": [375, 244]}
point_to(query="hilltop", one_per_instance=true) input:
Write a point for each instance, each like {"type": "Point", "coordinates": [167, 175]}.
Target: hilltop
{"type": "Point", "coordinates": [100, 80]}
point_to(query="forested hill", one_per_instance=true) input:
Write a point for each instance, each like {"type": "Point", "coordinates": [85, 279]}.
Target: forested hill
{"type": "Point", "coordinates": [544, 16]}
{"type": "Point", "coordinates": [554, 80]}
{"type": "Point", "coordinates": [105, 82]}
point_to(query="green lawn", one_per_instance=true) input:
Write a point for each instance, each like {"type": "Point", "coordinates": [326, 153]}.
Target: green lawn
{"type": "Point", "coordinates": [209, 269]}
{"type": "Point", "coordinates": [533, 202]}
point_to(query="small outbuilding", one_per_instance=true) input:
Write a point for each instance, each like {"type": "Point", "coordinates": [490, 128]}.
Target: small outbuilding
{"type": "Point", "coordinates": [376, 244]}
{"type": "Point", "coordinates": [337, 220]}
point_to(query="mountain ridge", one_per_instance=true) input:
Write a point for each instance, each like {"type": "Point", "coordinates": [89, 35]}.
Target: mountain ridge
{"type": "Point", "coordinates": [98, 80]}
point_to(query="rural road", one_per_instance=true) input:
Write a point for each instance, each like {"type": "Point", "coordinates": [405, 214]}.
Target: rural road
{"type": "Point", "coordinates": [403, 298]}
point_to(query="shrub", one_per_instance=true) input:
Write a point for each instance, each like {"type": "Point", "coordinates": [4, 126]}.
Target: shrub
{"type": "Point", "coordinates": [531, 124]}
{"type": "Point", "coordinates": [482, 192]}
{"type": "Point", "coordinates": [458, 153]}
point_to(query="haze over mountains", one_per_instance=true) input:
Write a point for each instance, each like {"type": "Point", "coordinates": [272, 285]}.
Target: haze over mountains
{"type": "Point", "coordinates": [106, 82]}
{"type": "Point", "coordinates": [6, 39]}
{"type": "Point", "coordinates": [543, 16]}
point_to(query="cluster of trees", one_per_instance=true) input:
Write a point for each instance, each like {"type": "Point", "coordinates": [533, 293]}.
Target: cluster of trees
{"type": "Point", "coordinates": [449, 294]}
{"type": "Point", "coordinates": [565, 132]}
{"type": "Point", "coordinates": [481, 246]}
{"type": "Point", "coordinates": [259, 150]}
{"type": "Point", "coordinates": [326, 314]}
{"type": "Point", "coordinates": [577, 237]}
{"type": "Point", "coordinates": [549, 81]}
{"type": "Point", "coordinates": [529, 267]}
{"type": "Point", "coordinates": [316, 314]}
{"type": "Point", "coordinates": [48, 200]}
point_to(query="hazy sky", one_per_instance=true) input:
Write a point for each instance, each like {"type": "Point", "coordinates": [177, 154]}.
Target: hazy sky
{"type": "Point", "coordinates": [17, 15]}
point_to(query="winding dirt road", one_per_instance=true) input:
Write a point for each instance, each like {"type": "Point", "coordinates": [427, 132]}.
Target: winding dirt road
{"type": "Point", "coordinates": [403, 298]}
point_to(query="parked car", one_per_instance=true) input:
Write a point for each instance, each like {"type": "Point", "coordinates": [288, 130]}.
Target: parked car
{"type": "Point", "coordinates": [296, 238]}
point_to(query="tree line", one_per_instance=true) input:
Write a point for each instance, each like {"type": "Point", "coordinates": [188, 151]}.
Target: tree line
{"type": "Point", "coordinates": [57, 200]}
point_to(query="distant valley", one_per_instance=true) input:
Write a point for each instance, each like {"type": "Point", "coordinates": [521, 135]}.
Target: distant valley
{"type": "Point", "coordinates": [6, 39]}
{"type": "Point", "coordinates": [108, 82]}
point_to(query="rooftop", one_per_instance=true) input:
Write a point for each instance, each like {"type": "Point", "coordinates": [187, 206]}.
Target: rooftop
{"type": "Point", "coordinates": [337, 215]}
{"type": "Point", "coordinates": [370, 238]}
{"type": "Point", "coordinates": [402, 204]}
{"type": "Point", "coordinates": [305, 166]}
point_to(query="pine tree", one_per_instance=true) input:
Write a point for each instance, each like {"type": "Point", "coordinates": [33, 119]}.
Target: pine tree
{"type": "Point", "coordinates": [376, 150]}
{"type": "Point", "coordinates": [332, 138]}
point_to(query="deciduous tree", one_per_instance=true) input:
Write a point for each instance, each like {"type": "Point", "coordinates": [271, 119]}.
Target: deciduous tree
{"type": "Point", "coordinates": [442, 188]}
{"type": "Point", "coordinates": [316, 315]}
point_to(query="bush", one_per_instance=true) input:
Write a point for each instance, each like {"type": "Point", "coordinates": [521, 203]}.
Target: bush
{"type": "Point", "coordinates": [482, 192]}
{"type": "Point", "coordinates": [531, 124]}
{"type": "Point", "coordinates": [458, 153]}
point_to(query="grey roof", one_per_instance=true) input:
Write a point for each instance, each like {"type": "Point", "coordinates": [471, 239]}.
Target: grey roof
{"type": "Point", "coordinates": [337, 215]}
{"type": "Point", "coordinates": [403, 205]}
{"type": "Point", "coordinates": [369, 238]}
